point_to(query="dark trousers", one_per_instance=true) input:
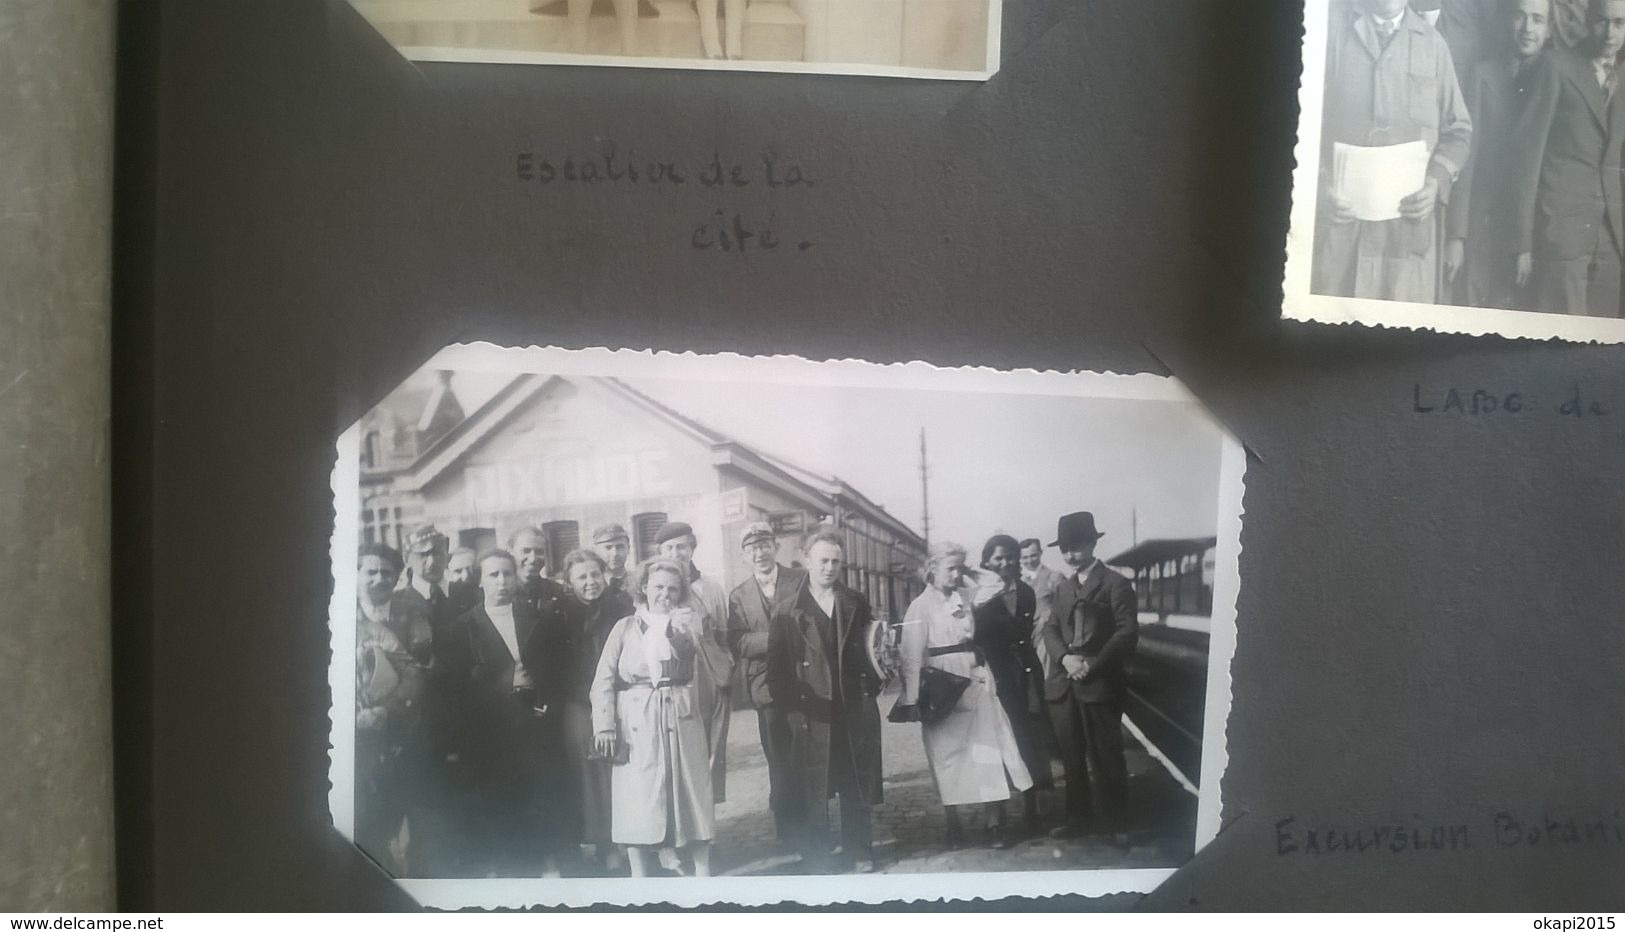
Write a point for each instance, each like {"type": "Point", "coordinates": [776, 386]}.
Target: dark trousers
{"type": "Point", "coordinates": [1090, 735]}
{"type": "Point", "coordinates": [774, 727]}
{"type": "Point", "coordinates": [1587, 285]}
{"type": "Point", "coordinates": [857, 834]}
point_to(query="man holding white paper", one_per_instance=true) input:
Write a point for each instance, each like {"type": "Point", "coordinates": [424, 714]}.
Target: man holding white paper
{"type": "Point", "coordinates": [1391, 95]}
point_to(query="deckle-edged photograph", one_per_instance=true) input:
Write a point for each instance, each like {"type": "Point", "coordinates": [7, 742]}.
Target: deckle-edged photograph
{"type": "Point", "coordinates": [625, 627]}
{"type": "Point", "coordinates": [943, 39]}
{"type": "Point", "coordinates": [1458, 167]}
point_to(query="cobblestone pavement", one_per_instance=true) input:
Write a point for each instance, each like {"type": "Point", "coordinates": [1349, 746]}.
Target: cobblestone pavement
{"type": "Point", "coordinates": [909, 825]}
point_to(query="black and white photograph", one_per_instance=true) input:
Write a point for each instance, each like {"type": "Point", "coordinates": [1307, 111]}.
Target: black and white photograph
{"type": "Point", "coordinates": [1459, 167]}
{"type": "Point", "coordinates": [943, 39]}
{"type": "Point", "coordinates": [621, 627]}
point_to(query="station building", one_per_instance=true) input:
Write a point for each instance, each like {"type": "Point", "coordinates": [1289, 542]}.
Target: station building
{"type": "Point", "coordinates": [1173, 579]}
{"type": "Point", "coordinates": [568, 453]}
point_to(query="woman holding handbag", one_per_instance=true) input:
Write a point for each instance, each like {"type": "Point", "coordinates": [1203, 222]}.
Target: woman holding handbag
{"type": "Point", "coordinates": [646, 721]}
{"type": "Point", "coordinates": [948, 687]}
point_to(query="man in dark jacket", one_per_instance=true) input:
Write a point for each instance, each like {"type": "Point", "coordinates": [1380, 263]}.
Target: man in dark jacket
{"type": "Point", "coordinates": [818, 672]}
{"type": "Point", "coordinates": [1088, 638]}
{"type": "Point", "coordinates": [512, 667]}
{"type": "Point", "coordinates": [1576, 131]}
{"type": "Point", "coordinates": [1489, 253]}
{"type": "Point", "coordinates": [771, 592]}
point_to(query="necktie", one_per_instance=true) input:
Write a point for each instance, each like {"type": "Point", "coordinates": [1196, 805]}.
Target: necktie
{"type": "Point", "coordinates": [1385, 32]}
{"type": "Point", "coordinates": [1605, 76]}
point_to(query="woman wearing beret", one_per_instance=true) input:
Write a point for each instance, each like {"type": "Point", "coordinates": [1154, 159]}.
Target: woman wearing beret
{"type": "Point", "coordinates": [972, 750]}
{"type": "Point", "coordinates": [646, 721]}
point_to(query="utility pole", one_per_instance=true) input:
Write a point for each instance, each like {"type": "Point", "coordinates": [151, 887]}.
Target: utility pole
{"type": "Point", "coordinates": [925, 494]}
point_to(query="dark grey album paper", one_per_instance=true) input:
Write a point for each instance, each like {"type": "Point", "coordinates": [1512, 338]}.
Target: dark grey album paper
{"type": "Point", "coordinates": [952, 39]}
{"type": "Point", "coordinates": [1458, 167]}
{"type": "Point", "coordinates": [630, 627]}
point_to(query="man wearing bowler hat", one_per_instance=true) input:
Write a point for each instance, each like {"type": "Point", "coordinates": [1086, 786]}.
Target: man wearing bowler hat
{"type": "Point", "coordinates": [771, 592]}
{"type": "Point", "coordinates": [1088, 638]}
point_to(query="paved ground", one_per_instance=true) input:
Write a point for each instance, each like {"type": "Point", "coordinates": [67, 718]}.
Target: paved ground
{"type": "Point", "coordinates": [909, 826]}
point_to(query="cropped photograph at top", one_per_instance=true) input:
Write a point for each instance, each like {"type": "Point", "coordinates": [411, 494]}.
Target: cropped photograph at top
{"type": "Point", "coordinates": [1459, 167]}
{"type": "Point", "coordinates": [944, 39]}
{"type": "Point", "coordinates": [636, 628]}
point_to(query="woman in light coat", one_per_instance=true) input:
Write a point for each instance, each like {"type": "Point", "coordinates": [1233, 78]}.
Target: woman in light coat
{"type": "Point", "coordinates": [973, 753]}
{"type": "Point", "coordinates": [646, 721]}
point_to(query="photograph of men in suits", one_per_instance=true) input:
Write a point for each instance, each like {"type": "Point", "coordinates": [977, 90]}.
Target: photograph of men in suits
{"type": "Point", "coordinates": [1576, 117]}
{"type": "Point", "coordinates": [818, 672]}
{"type": "Point", "coordinates": [772, 592]}
{"type": "Point", "coordinates": [1089, 636]}
{"type": "Point", "coordinates": [1489, 253]}
{"type": "Point", "coordinates": [1389, 80]}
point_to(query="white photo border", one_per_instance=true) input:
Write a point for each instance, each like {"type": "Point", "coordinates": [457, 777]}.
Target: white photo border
{"type": "Point", "coordinates": [1300, 303]}
{"type": "Point", "coordinates": [810, 890]}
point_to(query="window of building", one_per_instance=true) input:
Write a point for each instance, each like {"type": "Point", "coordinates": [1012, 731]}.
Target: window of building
{"type": "Point", "coordinates": [478, 539]}
{"type": "Point", "coordinates": [372, 453]}
{"type": "Point", "coordinates": [382, 526]}
{"type": "Point", "coordinates": [562, 537]}
{"type": "Point", "coordinates": [644, 528]}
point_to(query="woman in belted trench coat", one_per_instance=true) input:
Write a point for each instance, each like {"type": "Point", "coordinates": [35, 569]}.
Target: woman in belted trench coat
{"type": "Point", "coordinates": [646, 720]}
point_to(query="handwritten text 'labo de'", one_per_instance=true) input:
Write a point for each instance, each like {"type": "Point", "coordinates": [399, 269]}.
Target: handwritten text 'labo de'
{"type": "Point", "coordinates": [1482, 403]}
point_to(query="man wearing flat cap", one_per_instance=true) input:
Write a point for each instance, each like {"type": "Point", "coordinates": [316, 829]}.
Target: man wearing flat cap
{"type": "Point", "coordinates": [771, 592]}
{"type": "Point", "coordinates": [1088, 638]}
{"type": "Point", "coordinates": [714, 680]}
{"type": "Point", "coordinates": [614, 545]}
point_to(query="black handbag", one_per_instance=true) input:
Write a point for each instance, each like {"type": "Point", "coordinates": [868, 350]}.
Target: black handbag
{"type": "Point", "coordinates": [939, 693]}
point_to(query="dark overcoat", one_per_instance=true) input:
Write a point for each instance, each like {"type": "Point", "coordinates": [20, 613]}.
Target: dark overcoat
{"type": "Point", "coordinates": [831, 754]}
{"type": "Point", "coordinates": [1006, 643]}
{"type": "Point", "coordinates": [1098, 620]}
{"type": "Point", "coordinates": [518, 758]}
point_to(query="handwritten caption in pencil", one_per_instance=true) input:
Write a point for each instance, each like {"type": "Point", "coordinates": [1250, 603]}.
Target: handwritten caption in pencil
{"type": "Point", "coordinates": [721, 228]}
{"type": "Point", "coordinates": [1574, 402]}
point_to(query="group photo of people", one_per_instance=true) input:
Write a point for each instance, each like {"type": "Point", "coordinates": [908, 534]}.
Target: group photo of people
{"type": "Point", "coordinates": [1471, 154]}
{"type": "Point", "coordinates": [609, 626]}
{"type": "Point", "coordinates": [511, 723]}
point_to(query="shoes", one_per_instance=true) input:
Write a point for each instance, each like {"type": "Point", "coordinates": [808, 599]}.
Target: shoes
{"type": "Point", "coordinates": [998, 839]}
{"type": "Point", "coordinates": [1068, 831]}
{"type": "Point", "coordinates": [863, 866]}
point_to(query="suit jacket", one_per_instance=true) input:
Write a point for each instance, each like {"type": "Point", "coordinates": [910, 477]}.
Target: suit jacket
{"type": "Point", "coordinates": [1493, 206]}
{"type": "Point", "coordinates": [1096, 619]}
{"type": "Point", "coordinates": [750, 618]}
{"type": "Point", "coordinates": [805, 679]}
{"type": "Point", "coordinates": [486, 674]}
{"type": "Point", "coordinates": [1576, 133]}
